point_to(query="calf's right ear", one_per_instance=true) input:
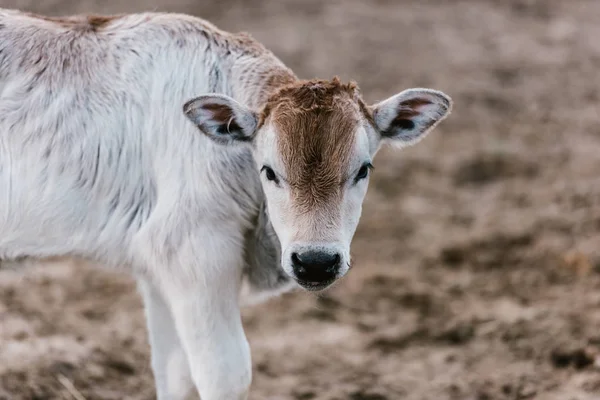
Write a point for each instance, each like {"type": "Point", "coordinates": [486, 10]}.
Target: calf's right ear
{"type": "Point", "coordinates": [222, 118]}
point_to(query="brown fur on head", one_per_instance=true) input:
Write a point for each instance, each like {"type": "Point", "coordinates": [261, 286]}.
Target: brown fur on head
{"type": "Point", "coordinates": [315, 121]}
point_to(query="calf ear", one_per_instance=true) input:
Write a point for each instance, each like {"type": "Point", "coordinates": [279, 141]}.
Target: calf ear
{"type": "Point", "coordinates": [222, 118]}
{"type": "Point", "coordinates": [407, 117]}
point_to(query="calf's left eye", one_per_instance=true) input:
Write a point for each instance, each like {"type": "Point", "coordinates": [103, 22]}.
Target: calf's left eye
{"type": "Point", "coordinates": [363, 172]}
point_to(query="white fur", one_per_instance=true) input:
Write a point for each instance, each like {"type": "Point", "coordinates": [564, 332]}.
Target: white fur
{"type": "Point", "coordinates": [98, 162]}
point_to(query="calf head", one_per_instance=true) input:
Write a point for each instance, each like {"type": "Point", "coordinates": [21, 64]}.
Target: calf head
{"type": "Point", "coordinates": [314, 143]}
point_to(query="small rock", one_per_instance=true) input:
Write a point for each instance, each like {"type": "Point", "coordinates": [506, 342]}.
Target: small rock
{"type": "Point", "coordinates": [578, 358]}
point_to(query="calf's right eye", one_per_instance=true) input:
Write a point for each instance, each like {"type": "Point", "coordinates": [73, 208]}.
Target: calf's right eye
{"type": "Point", "coordinates": [269, 173]}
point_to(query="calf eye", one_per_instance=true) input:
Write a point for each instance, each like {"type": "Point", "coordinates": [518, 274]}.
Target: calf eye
{"type": "Point", "coordinates": [363, 172]}
{"type": "Point", "coordinates": [270, 174]}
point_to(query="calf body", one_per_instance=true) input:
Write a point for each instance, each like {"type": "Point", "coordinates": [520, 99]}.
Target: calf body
{"type": "Point", "coordinates": [99, 162]}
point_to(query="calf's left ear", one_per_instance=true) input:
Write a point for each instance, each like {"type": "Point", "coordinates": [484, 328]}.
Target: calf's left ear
{"type": "Point", "coordinates": [222, 118]}
{"type": "Point", "coordinates": [409, 116]}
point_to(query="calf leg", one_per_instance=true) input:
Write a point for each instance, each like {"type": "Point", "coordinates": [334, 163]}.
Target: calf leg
{"type": "Point", "coordinates": [169, 363]}
{"type": "Point", "coordinates": [203, 299]}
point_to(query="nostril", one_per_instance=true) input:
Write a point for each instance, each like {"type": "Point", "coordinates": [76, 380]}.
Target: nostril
{"type": "Point", "coordinates": [298, 266]}
{"type": "Point", "coordinates": [296, 259]}
{"type": "Point", "coordinates": [334, 263]}
{"type": "Point", "coordinates": [336, 259]}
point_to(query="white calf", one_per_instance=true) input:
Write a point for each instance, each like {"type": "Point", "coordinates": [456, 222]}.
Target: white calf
{"type": "Point", "coordinates": [99, 162]}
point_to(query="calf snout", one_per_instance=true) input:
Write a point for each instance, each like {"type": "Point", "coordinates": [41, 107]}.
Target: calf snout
{"type": "Point", "coordinates": [315, 268]}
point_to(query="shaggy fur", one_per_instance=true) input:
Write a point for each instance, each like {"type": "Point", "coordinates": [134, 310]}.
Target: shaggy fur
{"type": "Point", "coordinates": [99, 163]}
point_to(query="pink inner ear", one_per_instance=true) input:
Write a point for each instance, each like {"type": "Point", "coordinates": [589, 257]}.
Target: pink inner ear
{"type": "Point", "coordinates": [407, 111]}
{"type": "Point", "coordinates": [411, 108]}
{"type": "Point", "coordinates": [222, 118]}
{"type": "Point", "coordinates": [219, 112]}
{"type": "Point", "coordinates": [415, 103]}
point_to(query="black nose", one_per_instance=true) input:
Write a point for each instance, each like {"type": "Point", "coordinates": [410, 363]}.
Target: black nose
{"type": "Point", "coordinates": [315, 266]}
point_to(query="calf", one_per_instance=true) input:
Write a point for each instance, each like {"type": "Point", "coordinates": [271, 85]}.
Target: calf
{"type": "Point", "coordinates": [193, 159]}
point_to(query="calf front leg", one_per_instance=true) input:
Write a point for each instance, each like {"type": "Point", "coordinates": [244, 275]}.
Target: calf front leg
{"type": "Point", "coordinates": [203, 299]}
{"type": "Point", "coordinates": [169, 362]}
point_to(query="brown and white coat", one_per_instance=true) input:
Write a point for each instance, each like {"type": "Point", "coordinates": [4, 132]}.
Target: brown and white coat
{"type": "Point", "coordinates": [101, 160]}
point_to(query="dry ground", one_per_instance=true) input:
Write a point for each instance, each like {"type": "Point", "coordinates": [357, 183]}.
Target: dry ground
{"type": "Point", "coordinates": [478, 256]}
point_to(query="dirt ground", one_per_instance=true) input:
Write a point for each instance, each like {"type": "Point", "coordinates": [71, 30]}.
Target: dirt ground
{"type": "Point", "coordinates": [477, 260]}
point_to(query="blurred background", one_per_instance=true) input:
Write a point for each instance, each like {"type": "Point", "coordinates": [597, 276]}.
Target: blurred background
{"type": "Point", "coordinates": [477, 259]}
